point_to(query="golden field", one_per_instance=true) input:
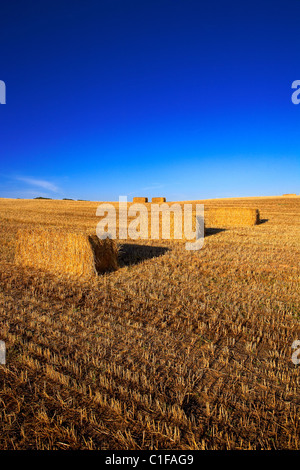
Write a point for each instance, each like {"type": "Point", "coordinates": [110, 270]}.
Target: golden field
{"type": "Point", "coordinates": [173, 350]}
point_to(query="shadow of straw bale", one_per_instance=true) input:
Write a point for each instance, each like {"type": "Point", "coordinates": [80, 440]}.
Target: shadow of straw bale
{"type": "Point", "coordinates": [213, 231]}
{"type": "Point", "coordinates": [130, 253]}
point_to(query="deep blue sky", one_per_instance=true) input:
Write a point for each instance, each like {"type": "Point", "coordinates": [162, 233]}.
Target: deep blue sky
{"type": "Point", "coordinates": [178, 98]}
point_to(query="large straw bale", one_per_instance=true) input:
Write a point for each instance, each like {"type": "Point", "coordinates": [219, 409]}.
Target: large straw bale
{"type": "Point", "coordinates": [64, 252]}
{"type": "Point", "coordinates": [232, 216]}
{"type": "Point", "coordinates": [140, 200]}
{"type": "Point", "coordinates": [158, 200]}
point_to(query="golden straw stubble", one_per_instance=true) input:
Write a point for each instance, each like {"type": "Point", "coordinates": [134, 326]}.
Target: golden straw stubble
{"type": "Point", "coordinates": [170, 226]}
{"type": "Point", "coordinates": [63, 252]}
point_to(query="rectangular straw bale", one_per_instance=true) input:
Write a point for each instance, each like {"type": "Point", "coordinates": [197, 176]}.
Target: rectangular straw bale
{"type": "Point", "coordinates": [158, 200]}
{"type": "Point", "coordinates": [64, 252]}
{"type": "Point", "coordinates": [232, 216]}
{"type": "Point", "coordinates": [140, 200]}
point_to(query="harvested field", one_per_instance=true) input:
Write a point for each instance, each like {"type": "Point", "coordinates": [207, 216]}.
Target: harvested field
{"type": "Point", "coordinates": [160, 222]}
{"type": "Point", "coordinates": [174, 350]}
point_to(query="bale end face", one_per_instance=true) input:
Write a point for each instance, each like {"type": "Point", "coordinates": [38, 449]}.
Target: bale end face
{"type": "Point", "coordinates": [105, 254]}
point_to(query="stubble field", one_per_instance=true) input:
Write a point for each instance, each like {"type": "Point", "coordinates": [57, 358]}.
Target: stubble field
{"type": "Point", "coordinates": [174, 350]}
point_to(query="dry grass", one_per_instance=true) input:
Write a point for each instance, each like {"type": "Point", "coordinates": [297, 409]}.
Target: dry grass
{"type": "Point", "coordinates": [167, 226]}
{"type": "Point", "coordinates": [174, 350]}
{"type": "Point", "coordinates": [166, 222]}
{"type": "Point", "coordinates": [62, 252]}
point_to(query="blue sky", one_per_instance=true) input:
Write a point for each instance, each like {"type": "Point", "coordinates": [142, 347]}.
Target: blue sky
{"type": "Point", "coordinates": [176, 98]}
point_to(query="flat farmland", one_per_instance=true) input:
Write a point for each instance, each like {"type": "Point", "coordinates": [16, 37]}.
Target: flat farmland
{"type": "Point", "coordinates": [175, 349]}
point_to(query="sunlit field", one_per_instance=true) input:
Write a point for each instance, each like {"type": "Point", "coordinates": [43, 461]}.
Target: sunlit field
{"type": "Point", "coordinates": [175, 349]}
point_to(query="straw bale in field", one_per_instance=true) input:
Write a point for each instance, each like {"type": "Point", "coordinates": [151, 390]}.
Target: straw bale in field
{"type": "Point", "coordinates": [158, 200]}
{"type": "Point", "coordinates": [232, 216]}
{"type": "Point", "coordinates": [63, 252]}
{"type": "Point", "coordinates": [140, 200]}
